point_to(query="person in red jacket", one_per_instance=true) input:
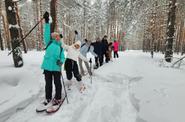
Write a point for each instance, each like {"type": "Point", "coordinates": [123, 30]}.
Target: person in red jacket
{"type": "Point", "coordinates": [116, 48]}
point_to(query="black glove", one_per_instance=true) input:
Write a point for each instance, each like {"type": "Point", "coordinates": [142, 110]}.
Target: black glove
{"type": "Point", "coordinates": [76, 32]}
{"type": "Point", "coordinates": [90, 61]}
{"type": "Point", "coordinates": [46, 17]}
{"type": "Point", "coordinates": [59, 63]}
{"type": "Point", "coordinates": [61, 36]}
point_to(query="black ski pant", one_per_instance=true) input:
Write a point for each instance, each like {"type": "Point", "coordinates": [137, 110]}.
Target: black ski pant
{"type": "Point", "coordinates": [99, 61]}
{"type": "Point", "coordinates": [107, 58]}
{"type": "Point", "coordinates": [116, 54]}
{"type": "Point", "coordinates": [49, 76]}
{"type": "Point", "coordinates": [71, 68]}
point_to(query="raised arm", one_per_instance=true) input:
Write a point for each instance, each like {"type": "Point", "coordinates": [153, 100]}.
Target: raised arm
{"type": "Point", "coordinates": [83, 58]}
{"type": "Point", "coordinates": [47, 32]}
{"type": "Point", "coordinates": [64, 46]}
{"type": "Point", "coordinates": [78, 36]}
{"type": "Point", "coordinates": [91, 50]}
{"type": "Point", "coordinates": [47, 35]}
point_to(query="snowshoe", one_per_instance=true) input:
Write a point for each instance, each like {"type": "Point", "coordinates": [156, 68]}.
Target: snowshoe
{"type": "Point", "coordinates": [69, 84]}
{"type": "Point", "coordinates": [95, 67]}
{"type": "Point", "coordinates": [82, 88]}
{"type": "Point", "coordinates": [84, 74]}
{"type": "Point", "coordinates": [56, 104]}
{"type": "Point", "coordinates": [43, 106]}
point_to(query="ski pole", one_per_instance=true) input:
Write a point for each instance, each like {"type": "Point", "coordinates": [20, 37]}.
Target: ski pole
{"type": "Point", "coordinates": [64, 88]}
{"type": "Point", "coordinates": [91, 69]}
{"type": "Point", "coordinates": [26, 35]}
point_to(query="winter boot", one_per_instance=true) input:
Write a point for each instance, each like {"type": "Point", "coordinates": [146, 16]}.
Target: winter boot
{"type": "Point", "coordinates": [81, 87]}
{"type": "Point", "coordinates": [43, 106]}
{"type": "Point", "coordinates": [69, 84]}
{"type": "Point", "coordinates": [55, 106]}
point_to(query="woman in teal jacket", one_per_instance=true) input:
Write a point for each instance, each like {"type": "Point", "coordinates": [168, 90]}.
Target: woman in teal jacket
{"type": "Point", "coordinates": [53, 59]}
{"type": "Point", "coordinates": [53, 50]}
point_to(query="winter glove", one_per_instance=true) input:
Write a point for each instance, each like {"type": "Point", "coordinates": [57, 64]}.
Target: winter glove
{"type": "Point", "coordinates": [59, 63]}
{"type": "Point", "coordinates": [46, 17]}
{"type": "Point", "coordinates": [61, 36]}
{"type": "Point", "coordinates": [76, 32]}
{"type": "Point", "coordinates": [90, 61]}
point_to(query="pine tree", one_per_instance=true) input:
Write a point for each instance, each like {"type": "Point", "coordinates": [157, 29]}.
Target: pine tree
{"type": "Point", "coordinates": [1, 41]}
{"type": "Point", "coordinates": [170, 31]}
{"type": "Point", "coordinates": [53, 14]}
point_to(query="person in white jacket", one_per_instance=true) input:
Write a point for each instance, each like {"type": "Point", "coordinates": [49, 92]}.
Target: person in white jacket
{"type": "Point", "coordinates": [84, 49]}
{"type": "Point", "coordinates": [71, 66]}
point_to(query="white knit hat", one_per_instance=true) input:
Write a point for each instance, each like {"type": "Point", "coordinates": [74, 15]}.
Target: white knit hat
{"type": "Point", "coordinates": [78, 43]}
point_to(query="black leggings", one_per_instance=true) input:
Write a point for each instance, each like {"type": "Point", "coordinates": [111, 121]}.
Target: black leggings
{"type": "Point", "coordinates": [116, 54]}
{"type": "Point", "coordinates": [71, 68]}
{"type": "Point", "coordinates": [49, 75]}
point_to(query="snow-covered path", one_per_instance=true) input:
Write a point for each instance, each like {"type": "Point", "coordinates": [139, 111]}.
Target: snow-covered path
{"type": "Point", "coordinates": [106, 100]}
{"type": "Point", "coordinates": [133, 88]}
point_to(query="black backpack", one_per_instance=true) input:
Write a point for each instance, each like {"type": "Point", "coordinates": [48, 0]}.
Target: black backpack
{"type": "Point", "coordinates": [50, 44]}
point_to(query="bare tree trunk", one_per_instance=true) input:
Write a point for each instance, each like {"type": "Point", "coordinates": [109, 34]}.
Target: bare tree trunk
{"type": "Point", "coordinates": [37, 6]}
{"type": "Point", "coordinates": [6, 33]}
{"type": "Point", "coordinates": [170, 31]}
{"type": "Point", "coordinates": [20, 30]}
{"type": "Point", "coordinates": [70, 38]}
{"type": "Point", "coordinates": [14, 32]}
{"type": "Point", "coordinates": [1, 41]}
{"type": "Point", "coordinates": [181, 34]}
{"type": "Point", "coordinates": [53, 14]}
{"type": "Point", "coordinates": [40, 26]}
{"type": "Point", "coordinates": [84, 29]}
{"type": "Point", "coordinates": [183, 43]}
{"type": "Point", "coordinates": [177, 40]}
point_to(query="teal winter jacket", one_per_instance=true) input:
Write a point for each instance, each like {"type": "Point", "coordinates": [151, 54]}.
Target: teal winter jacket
{"type": "Point", "coordinates": [52, 53]}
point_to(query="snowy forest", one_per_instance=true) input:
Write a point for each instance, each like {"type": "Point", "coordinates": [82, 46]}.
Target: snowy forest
{"type": "Point", "coordinates": [142, 81]}
{"type": "Point", "coordinates": [151, 25]}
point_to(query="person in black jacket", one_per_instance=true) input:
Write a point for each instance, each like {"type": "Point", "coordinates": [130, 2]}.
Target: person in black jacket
{"type": "Point", "coordinates": [98, 49]}
{"type": "Point", "coordinates": [105, 49]}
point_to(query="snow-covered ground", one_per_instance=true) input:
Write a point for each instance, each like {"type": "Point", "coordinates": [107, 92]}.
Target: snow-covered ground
{"type": "Point", "coordinates": [133, 88]}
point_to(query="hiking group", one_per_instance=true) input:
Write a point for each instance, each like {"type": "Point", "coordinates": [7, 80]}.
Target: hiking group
{"type": "Point", "coordinates": [76, 54]}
